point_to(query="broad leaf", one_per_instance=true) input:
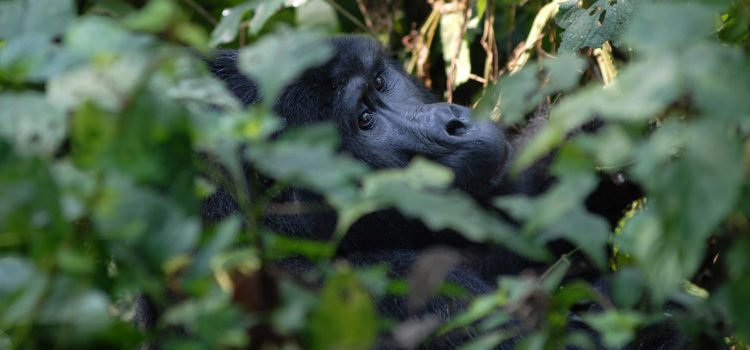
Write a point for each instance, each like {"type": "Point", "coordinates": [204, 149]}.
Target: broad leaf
{"type": "Point", "coordinates": [591, 26]}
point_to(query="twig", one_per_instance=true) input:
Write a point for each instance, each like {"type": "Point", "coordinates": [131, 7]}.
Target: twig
{"type": "Point", "coordinates": [351, 17]}
{"type": "Point", "coordinates": [365, 14]}
{"type": "Point", "coordinates": [201, 11]}
{"type": "Point", "coordinates": [489, 45]}
{"type": "Point", "coordinates": [540, 21]}
{"type": "Point", "coordinates": [540, 53]}
{"type": "Point", "coordinates": [422, 46]}
{"type": "Point", "coordinates": [243, 33]}
{"type": "Point", "coordinates": [477, 78]}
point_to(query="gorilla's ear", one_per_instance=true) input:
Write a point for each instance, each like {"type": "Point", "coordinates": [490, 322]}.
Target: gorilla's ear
{"type": "Point", "coordinates": [223, 64]}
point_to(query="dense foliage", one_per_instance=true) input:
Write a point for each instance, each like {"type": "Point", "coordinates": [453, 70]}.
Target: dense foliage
{"type": "Point", "coordinates": [110, 121]}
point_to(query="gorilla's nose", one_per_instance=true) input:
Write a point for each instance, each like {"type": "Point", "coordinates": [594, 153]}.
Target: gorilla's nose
{"type": "Point", "coordinates": [452, 120]}
{"type": "Point", "coordinates": [455, 127]}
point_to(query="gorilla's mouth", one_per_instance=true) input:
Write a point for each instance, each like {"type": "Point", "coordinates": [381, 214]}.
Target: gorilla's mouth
{"type": "Point", "coordinates": [482, 169]}
{"type": "Point", "coordinates": [504, 164]}
{"type": "Point", "coordinates": [495, 176]}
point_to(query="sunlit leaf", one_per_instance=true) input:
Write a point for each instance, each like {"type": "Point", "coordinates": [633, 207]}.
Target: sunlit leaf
{"type": "Point", "coordinates": [31, 124]}
{"type": "Point", "coordinates": [455, 47]}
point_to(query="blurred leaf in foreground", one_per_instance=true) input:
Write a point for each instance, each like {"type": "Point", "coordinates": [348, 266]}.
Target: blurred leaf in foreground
{"type": "Point", "coordinates": [277, 59]}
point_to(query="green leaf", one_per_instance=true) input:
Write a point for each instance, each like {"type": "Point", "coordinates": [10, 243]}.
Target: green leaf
{"type": "Point", "coordinates": [739, 287]}
{"type": "Point", "coordinates": [641, 91]}
{"type": "Point", "coordinates": [280, 246]}
{"type": "Point", "coordinates": [108, 86]}
{"type": "Point", "coordinates": [345, 318]}
{"type": "Point", "coordinates": [518, 94]}
{"type": "Point", "coordinates": [31, 124]}
{"type": "Point", "coordinates": [32, 58]}
{"type": "Point", "coordinates": [716, 74]}
{"type": "Point", "coordinates": [587, 231]}
{"type": "Point", "coordinates": [685, 206]}
{"type": "Point", "coordinates": [442, 209]}
{"type": "Point", "coordinates": [627, 287]}
{"type": "Point", "coordinates": [480, 307]}
{"type": "Point", "coordinates": [617, 328]}
{"type": "Point", "coordinates": [317, 14]}
{"type": "Point", "coordinates": [77, 187]}
{"type": "Point", "coordinates": [691, 203]}
{"type": "Point", "coordinates": [263, 11]}
{"type": "Point", "coordinates": [669, 25]}
{"type": "Point", "coordinates": [155, 17]}
{"type": "Point", "coordinates": [21, 290]}
{"type": "Point", "coordinates": [643, 238]}
{"type": "Point", "coordinates": [591, 26]}
{"type": "Point", "coordinates": [612, 147]}
{"type": "Point", "coordinates": [225, 235]}
{"type": "Point", "coordinates": [47, 17]}
{"type": "Point", "coordinates": [82, 311]}
{"type": "Point", "coordinates": [100, 37]}
{"type": "Point", "coordinates": [486, 342]}
{"type": "Point", "coordinates": [307, 157]}
{"type": "Point", "coordinates": [572, 293]}
{"type": "Point", "coordinates": [277, 59]}
{"type": "Point", "coordinates": [226, 30]}
{"type": "Point", "coordinates": [559, 212]}
{"type": "Point", "coordinates": [297, 304]}
{"type": "Point", "coordinates": [15, 272]}
{"type": "Point", "coordinates": [203, 94]}
{"type": "Point", "coordinates": [135, 219]}
{"type": "Point", "coordinates": [212, 319]}
{"type": "Point", "coordinates": [563, 73]}
{"type": "Point", "coordinates": [421, 174]}
{"type": "Point", "coordinates": [228, 27]}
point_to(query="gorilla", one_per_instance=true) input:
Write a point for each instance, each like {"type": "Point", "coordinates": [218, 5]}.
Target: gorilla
{"type": "Point", "coordinates": [385, 118]}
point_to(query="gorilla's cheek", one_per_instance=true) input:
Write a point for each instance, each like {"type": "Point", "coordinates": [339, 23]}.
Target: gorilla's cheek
{"type": "Point", "coordinates": [379, 150]}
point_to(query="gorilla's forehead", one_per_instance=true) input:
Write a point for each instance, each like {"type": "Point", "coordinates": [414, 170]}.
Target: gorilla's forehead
{"type": "Point", "coordinates": [356, 54]}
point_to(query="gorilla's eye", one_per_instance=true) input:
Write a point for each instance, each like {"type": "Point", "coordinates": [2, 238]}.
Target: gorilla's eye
{"type": "Point", "coordinates": [365, 120]}
{"type": "Point", "coordinates": [379, 83]}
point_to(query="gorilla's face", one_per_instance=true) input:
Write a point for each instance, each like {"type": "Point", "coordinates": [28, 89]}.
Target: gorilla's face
{"type": "Point", "coordinates": [386, 119]}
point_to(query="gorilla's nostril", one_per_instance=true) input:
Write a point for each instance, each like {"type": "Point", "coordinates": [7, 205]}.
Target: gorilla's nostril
{"type": "Point", "coordinates": [455, 128]}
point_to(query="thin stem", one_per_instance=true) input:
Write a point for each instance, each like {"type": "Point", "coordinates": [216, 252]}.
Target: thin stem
{"type": "Point", "coordinates": [201, 11]}
{"type": "Point", "coordinates": [351, 17]}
